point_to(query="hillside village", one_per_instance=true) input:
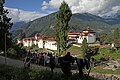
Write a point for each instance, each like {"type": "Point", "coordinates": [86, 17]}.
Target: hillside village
{"type": "Point", "coordinates": [74, 38]}
{"type": "Point", "coordinates": [62, 51]}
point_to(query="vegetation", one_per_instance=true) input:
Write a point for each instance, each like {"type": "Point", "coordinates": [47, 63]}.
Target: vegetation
{"type": "Point", "coordinates": [22, 35]}
{"type": "Point", "coordinates": [34, 48]}
{"type": "Point", "coordinates": [78, 22]}
{"type": "Point", "coordinates": [75, 51]}
{"type": "Point", "coordinates": [107, 54]}
{"type": "Point", "coordinates": [5, 25]}
{"type": "Point", "coordinates": [16, 51]}
{"type": "Point", "coordinates": [8, 73]}
{"type": "Point", "coordinates": [104, 37]}
{"type": "Point", "coordinates": [106, 71]}
{"type": "Point", "coordinates": [116, 37]}
{"type": "Point", "coordinates": [84, 47]}
{"type": "Point", "coordinates": [63, 17]}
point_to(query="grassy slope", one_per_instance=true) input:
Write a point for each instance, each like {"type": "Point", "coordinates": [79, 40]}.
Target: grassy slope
{"type": "Point", "coordinates": [8, 72]}
{"type": "Point", "coordinates": [75, 51]}
{"type": "Point", "coordinates": [103, 53]}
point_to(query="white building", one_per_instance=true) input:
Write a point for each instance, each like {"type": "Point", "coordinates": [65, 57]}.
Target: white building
{"type": "Point", "coordinates": [73, 37]}
{"type": "Point", "coordinates": [50, 43]}
{"type": "Point", "coordinates": [40, 41]}
{"type": "Point", "coordinates": [28, 41]}
{"type": "Point", "coordinates": [88, 34]}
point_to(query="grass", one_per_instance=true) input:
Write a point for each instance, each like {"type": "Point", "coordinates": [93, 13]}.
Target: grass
{"type": "Point", "coordinates": [106, 71]}
{"type": "Point", "coordinates": [35, 48]}
{"type": "Point", "coordinates": [75, 50]}
{"type": "Point", "coordinates": [36, 74]}
{"type": "Point", "coordinates": [108, 54]}
{"type": "Point", "coordinates": [115, 56]}
{"type": "Point", "coordinates": [74, 47]}
{"type": "Point", "coordinates": [8, 72]}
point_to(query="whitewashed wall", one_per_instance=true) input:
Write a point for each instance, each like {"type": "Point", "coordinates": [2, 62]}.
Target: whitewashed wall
{"type": "Point", "coordinates": [40, 43]}
{"type": "Point", "coordinates": [81, 38]}
{"type": "Point", "coordinates": [28, 43]}
{"type": "Point", "coordinates": [91, 38]}
{"type": "Point", "coordinates": [51, 45]}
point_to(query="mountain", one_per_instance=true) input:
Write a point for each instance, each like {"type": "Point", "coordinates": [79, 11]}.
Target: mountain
{"type": "Point", "coordinates": [17, 24]}
{"type": "Point", "coordinates": [44, 25]}
{"type": "Point", "coordinates": [113, 20]}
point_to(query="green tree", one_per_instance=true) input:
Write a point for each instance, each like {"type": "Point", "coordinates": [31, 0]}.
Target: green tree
{"type": "Point", "coordinates": [22, 35]}
{"type": "Point", "coordinates": [63, 17]}
{"type": "Point", "coordinates": [84, 47]}
{"type": "Point", "coordinates": [116, 36]}
{"type": "Point", "coordinates": [56, 31]}
{"type": "Point", "coordinates": [5, 25]}
{"type": "Point", "coordinates": [11, 51]}
{"type": "Point", "coordinates": [116, 33]}
{"type": "Point", "coordinates": [104, 37]}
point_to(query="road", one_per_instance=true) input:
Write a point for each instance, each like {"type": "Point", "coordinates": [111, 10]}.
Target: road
{"type": "Point", "coordinates": [11, 62]}
{"type": "Point", "coordinates": [20, 64]}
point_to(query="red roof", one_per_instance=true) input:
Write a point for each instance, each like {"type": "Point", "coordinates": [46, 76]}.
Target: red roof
{"type": "Point", "coordinates": [73, 33]}
{"type": "Point", "coordinates": [28, 39]}
{"type": "Point", "coordinates": [41, 37]}
{"type": "Point", "coordinates": [88, 29]}
{"type": "Point", "coordinates": [50, 39]}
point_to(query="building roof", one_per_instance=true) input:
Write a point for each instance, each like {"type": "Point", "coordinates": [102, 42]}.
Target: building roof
{"type": "Point", "coordinates": [38, 34]}
{"type": "Point", "coordinates": [72, 36]}
{"type": "Point", "coordinates": [41, 37]}
{"type": "Point", "coordinates": [29, 39]}
{"type": "Point", "coordinates": [50, 39]}
{"type": "Point", "coordinates": [73, 33]}
{"type": "Point", "coordinates": [88, 29]}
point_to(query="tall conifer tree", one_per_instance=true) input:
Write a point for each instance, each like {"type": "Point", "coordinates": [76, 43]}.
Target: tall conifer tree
{"type": "Point", "coordinates": [5, 25]}
{"type": "Point", "coordinates": [63, 17]}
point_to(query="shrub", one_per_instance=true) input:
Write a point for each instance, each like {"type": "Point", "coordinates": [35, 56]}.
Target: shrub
{"type": "Point", "coordinates": [11, 51]}
{"type": "Point", "coordinates": [8, 72]}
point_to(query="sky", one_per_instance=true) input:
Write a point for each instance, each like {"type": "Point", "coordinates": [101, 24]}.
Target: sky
{"type": "Point", "coordinates": [28, 10]}
{"type": "Point", "coordinates": [27, 5]}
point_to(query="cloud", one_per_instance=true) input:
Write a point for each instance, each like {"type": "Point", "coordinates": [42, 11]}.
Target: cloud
{"type": "Point", "coordinates": [21, 15]}
{"type": "Point", "coordinates": [44, 8]}
{"type": "Point", "coordinates": [96, 7]}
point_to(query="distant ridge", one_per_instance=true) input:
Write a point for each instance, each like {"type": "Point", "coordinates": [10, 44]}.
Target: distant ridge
{"type": "Point", "coordinates": [78, 22]}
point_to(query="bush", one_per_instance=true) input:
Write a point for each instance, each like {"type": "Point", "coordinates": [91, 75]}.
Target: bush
{"type": "Point", "coordinates": [8, 72]}
{"type": "Point", "coordinates": [11, 51]}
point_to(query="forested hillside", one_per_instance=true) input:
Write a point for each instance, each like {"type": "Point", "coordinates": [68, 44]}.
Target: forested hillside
{"type": "Point", "coordinates": [45, 25]}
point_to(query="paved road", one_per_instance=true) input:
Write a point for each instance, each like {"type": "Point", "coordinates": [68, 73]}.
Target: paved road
{"type": "Point", "coordinates": [11, 62]}
{"type": "Point", "coordinates": [20, 64]}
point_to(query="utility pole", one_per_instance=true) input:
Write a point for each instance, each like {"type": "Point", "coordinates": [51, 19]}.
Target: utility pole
{"type": "Point", "coordinates": [5, 50]}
